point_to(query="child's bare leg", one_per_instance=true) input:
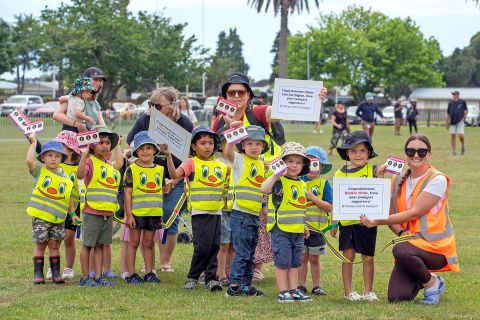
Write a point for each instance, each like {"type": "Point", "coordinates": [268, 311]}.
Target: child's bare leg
{"type": "Point", "coordinates": [85, 260]}
{"type": "Point", "coordinates": [303, 271]}
{"type": "Point", "coordinates": [315, 270]}
{"type": "Point", "coordinates": [368, 273]}
{"type": "Point", "coordinates": [70, 250]}
{"type": "Point", "coordinates": [347, 270]}
{"type": "Point", "coordinates": [148, 247]}
{"type": "Point", "coordinates": [133, 244]}
{"type": "Point", "coordinates": [292, 275]}
{"type": "Point", "coordinates": [123, 257]}
{"type": "Point", "coordinates": [230, 255]}
{"type": "Point", "coordinates": [98, 252]}
{"type": "Point", "coordinates": [281, 276]}
{"type": "Point", "coordinates": [222, 260]}
{"type": "Point", "coordinates": [107, 257]}
{"type": "Point", "coordinates": [39, 250]}
{"type": "Point", "coordinates": [54, 248]}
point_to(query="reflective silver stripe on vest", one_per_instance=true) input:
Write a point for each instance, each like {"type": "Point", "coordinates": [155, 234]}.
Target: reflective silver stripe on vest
{"type": "Point", "coordinates": [101, 198]}
{"type": "Point", "coordinates": [249, 196]}
{"type": "Point", "coordinates": [41, 206]}
{"type": "Point", "coordinates": [319, 219]}
{"type": "Point", "coordinates": [146, 196]}
{"type": "Point", "coordinates": [101, 190]}
{"type": "Point", "coordinates": [291, 212]}
{"type": "Point", "coordinates": [147, 204]}
{"type": "Point", "coordinates": [211, 189]}
{"type": "Point", "coordinates": [229, 196]}
{"type": "Point", "coordinates": [270, 220]}
{"type": "Point", "coordinates": [291, 220]}
{"type": "Point", "coordinates": [206, 197]}
{"type": "Point", "coordinates": [247, 188]}
{"type": "Point", "coordinates": [57, 204]}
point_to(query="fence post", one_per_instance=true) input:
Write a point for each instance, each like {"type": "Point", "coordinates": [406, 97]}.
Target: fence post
{"type": "Point", "coordinates": [428, 118]}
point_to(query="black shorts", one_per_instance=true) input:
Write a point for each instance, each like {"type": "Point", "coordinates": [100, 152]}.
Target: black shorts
{"type": "Point", "coordinates": [68, 221]}
{"type": "Point", "coordinates": [148, 223]}
{"type": "Point", "coordinates": [315, 240]}
{"type": "Point", "coordinates": [359, 238]}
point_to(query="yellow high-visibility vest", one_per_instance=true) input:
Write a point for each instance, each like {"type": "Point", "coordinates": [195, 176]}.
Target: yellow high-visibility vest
{"type": "Point", "coordinates": [318, 218]}
{"type": "Point", "coordinates": [247, 189]}
{"type": "Point", "coordinates": [101, 193]}
{"type": "Point", "coordinates": [147, 194]}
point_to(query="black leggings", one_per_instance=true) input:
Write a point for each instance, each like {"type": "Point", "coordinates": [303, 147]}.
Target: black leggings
{"type": "Point", "coordinates": [412, 123]}
{"type": "Point", "coordinates": [411, 271]}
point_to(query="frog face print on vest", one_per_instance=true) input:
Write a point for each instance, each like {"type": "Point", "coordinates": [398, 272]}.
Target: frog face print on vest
{"type": "Point", "coordinates": [296, 197]}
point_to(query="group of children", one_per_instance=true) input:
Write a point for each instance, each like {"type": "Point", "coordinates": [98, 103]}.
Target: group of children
{"type": "Point", "coordinates": [77, 180]}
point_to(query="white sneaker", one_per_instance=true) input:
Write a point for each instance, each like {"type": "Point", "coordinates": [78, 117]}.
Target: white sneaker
{"type": "Point", "coordinates": [68, 274]}
{"type": "Point", "coordinates": [49, 274]}
{"type": "Point", "coordinates": [353, 296]}
{"type": "Point", "coordinates": [371, 296]}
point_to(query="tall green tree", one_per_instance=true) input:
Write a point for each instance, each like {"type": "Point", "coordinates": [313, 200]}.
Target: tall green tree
{"type": "Point", "coordinates": [285, 7]}
{"type": "Point", "coordinates": [6, 48]}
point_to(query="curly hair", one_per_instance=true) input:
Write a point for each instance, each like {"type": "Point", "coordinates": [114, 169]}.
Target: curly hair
{"type": "Point", "coordinates": [171, 94]}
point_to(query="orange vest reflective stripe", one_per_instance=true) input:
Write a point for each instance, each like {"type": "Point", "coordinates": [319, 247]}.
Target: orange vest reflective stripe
{"type": "Point", "coordinates": [434, 231]}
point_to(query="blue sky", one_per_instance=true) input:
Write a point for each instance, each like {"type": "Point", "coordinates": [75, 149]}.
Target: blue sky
{"type": "Point", "coordinates": [451, 22]}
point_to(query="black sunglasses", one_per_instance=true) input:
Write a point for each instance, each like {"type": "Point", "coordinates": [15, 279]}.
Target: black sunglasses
{"type": "Point", "coordinates": [422, 152]}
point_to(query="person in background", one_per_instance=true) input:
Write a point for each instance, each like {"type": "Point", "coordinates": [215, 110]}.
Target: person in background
{"type": "Point", "coordinates": [456, 113]}
{"type": "Point", "coordinates": [185, 109]}
{"type": "Point", "coordinates": [412, 116]}
{"type": "Point", "coordinates": [366, 112]}
{"type": "Point", "coordinates": [398, 115]}
{"type": "Point", "coordinates": [340, 125]}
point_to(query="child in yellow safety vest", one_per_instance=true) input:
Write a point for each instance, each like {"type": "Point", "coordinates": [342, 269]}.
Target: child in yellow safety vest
{"type": "Point", "coordinates": [319, 206]}
{"type": "Point", "coordinates": [354, 237]}
{"type": "Point", "coordinates": [287, 213]}
{"type": "Point", "coordinates": [206, 179]}
{"type": "Point", "coordinates": [143, 205]}
{"type": "Point", "coordinates": [101, 187]}
{"type": "Point", "coordinates": [49, 205]}
{"type": "Point", "coordinates": [248, 176]}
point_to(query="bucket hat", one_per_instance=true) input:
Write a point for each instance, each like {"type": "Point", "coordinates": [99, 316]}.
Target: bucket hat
{"type": "Point", "coordinates": [321, 155]}
{"type": "Point", "coordinates": [205, 129]}
{"type": "Point", "coordinates": [83, 84]}
{"type": "Point", "coordinates": [255, 133]}
{"type": "Point", "coordinates": [69, 139]}
{"type": "Point", "coordinates": [52, 145]}
{"type": "Point", "coordinates": [352, 140]}
{"type": "Point", "coordinates": [113, 136]}
{"type": "Point", "coordinates": [140, 139]}
{"type": "Point", "coordinates": [237, 78]}
{"type": "Point", "coordinates": [295, 148]}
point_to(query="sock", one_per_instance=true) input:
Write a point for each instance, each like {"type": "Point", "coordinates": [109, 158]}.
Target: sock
{"type": "Point", "coordinates": [435, 286]}
{"type": "Point", "coordinates": [124, 275]}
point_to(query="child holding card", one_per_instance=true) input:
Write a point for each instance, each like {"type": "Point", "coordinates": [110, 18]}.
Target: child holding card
{"type": "Point", "coordinates": [319, 206]}
{"type": "Point", "coordinates": [354, 238]}
{"type": "Point", "coordinates": [248, 175]}
{"type": "Point", "coordinates": [286, 220]}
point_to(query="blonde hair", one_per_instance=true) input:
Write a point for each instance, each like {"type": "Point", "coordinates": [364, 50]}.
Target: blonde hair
{"type": "Point", "coordinates": [171, 94]}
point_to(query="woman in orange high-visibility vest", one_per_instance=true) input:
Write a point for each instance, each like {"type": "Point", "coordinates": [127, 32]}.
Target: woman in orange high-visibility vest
{"type": "Point", "coordinates": [420, 209]}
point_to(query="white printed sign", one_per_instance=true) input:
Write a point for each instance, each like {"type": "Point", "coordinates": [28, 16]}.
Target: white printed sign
{"type": "Point", "coordinates": [296, 100]}
{"type": "Point", "coordinates": [23, 123]}
{"type": "Point", "coordinates": [353, 197]}
{"type": "Point", "coordinates": [226, 107]}
{"type": "Point", "coordinates": [36, 127]}
{"type": "Point", "coordinates": [163, 130]}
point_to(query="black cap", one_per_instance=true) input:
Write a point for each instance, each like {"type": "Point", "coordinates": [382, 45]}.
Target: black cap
{"type": "Point", "coordinates": [94, 72]}
{"type": "Point", "coordinates": [237, 78]}
{"type": "Point", "coordinates": [455, 93]}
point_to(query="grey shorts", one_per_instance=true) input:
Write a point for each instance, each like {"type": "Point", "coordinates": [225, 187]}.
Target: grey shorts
{"type": "Point", "coordinates": [315, 245]}
{"type": "Point", "coordinates": [96, 229]}
{"type": "Point", "coordinates": [458, 128]}
{"type": "Point", "coordinates": [225, 229]}
{"type": "Point", "coordinates": [43, 231]}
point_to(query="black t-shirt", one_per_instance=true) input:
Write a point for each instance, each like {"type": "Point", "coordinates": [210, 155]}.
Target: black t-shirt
{"type": "Point", "coordinates": [456, 111]}
{"type": "Point", "coordinates": [341, 119]}
{"type": "Point", "coordinates": [398, 112]}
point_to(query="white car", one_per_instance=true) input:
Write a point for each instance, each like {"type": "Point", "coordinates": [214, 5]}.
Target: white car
{"type": "Point", "coordinates": [26, 103]}
{"type": "Point", "coordinates": [210, 103]}
{"type": "Point", "coordinates": [473, 115]}
{"type": "Point", "coordinates": [388, 114]}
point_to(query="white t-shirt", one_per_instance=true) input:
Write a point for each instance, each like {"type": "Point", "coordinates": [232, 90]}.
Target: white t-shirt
{"type": "Point", "coordinates": [437, 186]}
{"type": "Point", "coordinates": [238, 163]}
{"type": "Point", "coordinates": [191, 115]}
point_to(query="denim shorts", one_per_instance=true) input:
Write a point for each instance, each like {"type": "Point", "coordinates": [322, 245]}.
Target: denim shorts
{"type": "Point", "coordinates": [169, 202]}
{"type": "Point", "coordinates": [287, 249]}
{"type": "Point", "coordinates": [225, 230]}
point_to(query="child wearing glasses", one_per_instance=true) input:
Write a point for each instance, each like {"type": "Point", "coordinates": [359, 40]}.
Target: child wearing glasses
{"type": "Point", "coordinates": [81, 106]}
{"type": "Point", "coordinates": [354, 237]}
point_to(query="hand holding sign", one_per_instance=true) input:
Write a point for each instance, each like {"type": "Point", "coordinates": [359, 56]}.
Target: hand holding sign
{"type": "Point", "coordinates": [88, 137]}
{"type": "Point", "coordinates": [235, 135]}
{"type": "Point", "coordinates": [314, 166]}
{"type": "Point", "coordinates": [278, 166]}
{"type": "Point", "coordinates": [226, 107]}
{"type": "Point", "coordinates": [395, 165]}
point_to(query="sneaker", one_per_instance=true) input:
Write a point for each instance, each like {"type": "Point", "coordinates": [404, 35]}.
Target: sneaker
{"type": "Point", "coordinates": [124, 275]}
{"type": "Point", "coordinates": [91, 274]}
{"type": "Point", "coordinates": [353, 296]}
{"type": "Point", "coordinates": [109, 274]}
{"type": "Point", "coordinates": [233, 291]}
{"type": "Point", "coordinates": [151, 277]}
{"type": "Point", "coordinates": [214, 285]}
{"type": "Point", "coordinates": [251, 291]}
{"type": "Point", "coordinates": [89, 282]}
{"type": "Point", "coordinates": [49, 274]}
{"type": "Point", "coordinates": [434, 297]}
{"type": "Point", "coordinates": [134, 279]}
{"type": "Point", "coordinates": [298, 295]}
{"type": "Point", "coordinates": [104, 282]}
{"type": "Point", "coordinates": [68, 274]}
{"type": "Point", "coordinates": [190, 284]}
{"type": "Point", "coordinates": [224, 281]}
{"type": "Point", "coordinates": [318, 291]}
{"type": "Point", "coordinates": [303, 289]}
{"type": "Point", "coordinates": [201, 279]}
{"type": "Point", "coordinates": [285, 297]}
{"type": "Point", "coordinates": [371, 296]}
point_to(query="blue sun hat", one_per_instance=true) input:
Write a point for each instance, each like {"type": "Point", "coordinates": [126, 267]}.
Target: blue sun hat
{"type": "Point", "coordinates": [83, 84]}
{"type": "Point", "coordinates": [52, 145]}
{"type": "Point", "coordinates": [321, 155]}
{"type": "Point", "coordinates": [140, 139]}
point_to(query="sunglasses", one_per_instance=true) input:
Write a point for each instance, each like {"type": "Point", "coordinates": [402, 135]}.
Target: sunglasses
{"type": "Point", "coordinates": [422, 152]}
{"type": "Point", "coordinates": [233, 93]}
{"type": "Point", "coordinates": [158, 106]}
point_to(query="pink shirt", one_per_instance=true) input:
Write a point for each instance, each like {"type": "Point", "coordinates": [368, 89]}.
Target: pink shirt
{"type": "Point", "coordinates": [86, 180]}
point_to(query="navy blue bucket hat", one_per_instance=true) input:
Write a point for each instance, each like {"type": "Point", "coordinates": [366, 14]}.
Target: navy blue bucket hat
{"type": "Point", "coordinates": [140, 139]}
{"type": "Point", "coordinates": [237, 78]}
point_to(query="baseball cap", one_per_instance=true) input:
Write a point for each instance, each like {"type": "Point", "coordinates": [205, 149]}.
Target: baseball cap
{"type": "Point", "coordinates": [94, 72]}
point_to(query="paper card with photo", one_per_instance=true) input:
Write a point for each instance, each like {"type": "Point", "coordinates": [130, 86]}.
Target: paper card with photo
{"type": "Point", "coordinates": [235, 135]}
{"type": "Point", "coordinates": [88, 137]}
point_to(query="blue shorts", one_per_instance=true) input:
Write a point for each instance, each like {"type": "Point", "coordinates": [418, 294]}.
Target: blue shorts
{"type": "Point", "coordinates": [225, 229]}
{"type": "Point", "coordinates": [169, 202]}
{"type": "Point", "coordinates": [287, 249]}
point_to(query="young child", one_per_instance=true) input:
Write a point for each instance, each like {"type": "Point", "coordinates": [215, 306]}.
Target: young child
{"type": "Point", "coordinates": [355, 237]}
{"type": "Point", "coordinates": [80, 103]}
{"type": "Point", "coordinates": [319, 206]}
{"type": "Point", "coordinates": [340, 125]}
{"type": "Point", "coordinates": [101, 182]}
{"type": "Point", "coordinates": [206, 179]}
{"type": "Point", "coordinates": [49, 205]}
{"type": "Point", "coordinates": [248, 176]}
{"type": "Point", "coordinates": [143, 205]}
{"type": "Point", "coordinates": [286, 220]}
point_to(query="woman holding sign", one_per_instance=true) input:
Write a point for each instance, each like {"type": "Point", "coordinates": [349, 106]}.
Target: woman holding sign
{"type": "Point", "coordinates": [165, 100]}
{"type": "Point", "coordinates": [420, 210]}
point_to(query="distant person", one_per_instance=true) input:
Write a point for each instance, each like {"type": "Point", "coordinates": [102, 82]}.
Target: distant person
{"type": "Point", "coordinates": [185, 109]}
{"type": "Point", "coordinates": [412, 116]}
{"type": "Point", "coordinates": [398, 113]}
{"type": "Point", "coordinates": [366, 112]}
{"type": "Point", "coordinates": [340, 125]}
{"type": "Point", "coordinates": [81, 106]}
{"type": "Point", "coordinates": [261, 99]}
{"type": "Point", "coordinates": [456, 113]}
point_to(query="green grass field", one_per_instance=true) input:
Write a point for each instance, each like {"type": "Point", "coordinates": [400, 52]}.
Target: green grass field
{"type": "Point", "coordinates": [20, 299]}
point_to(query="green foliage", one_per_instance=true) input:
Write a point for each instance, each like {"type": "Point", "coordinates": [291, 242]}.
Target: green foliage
{"type": "Point", "coordinates": [6, 48]}
{"type": "Point", "coordinates": [367, 50]}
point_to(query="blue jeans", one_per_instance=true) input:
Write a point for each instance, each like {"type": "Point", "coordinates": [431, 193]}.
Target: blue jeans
{"type": "Point", "coordinates": [169, 202]}
{"type": "Point", "coordinates": [245, 237]}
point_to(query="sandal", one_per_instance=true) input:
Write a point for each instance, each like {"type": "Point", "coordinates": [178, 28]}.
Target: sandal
{"type": "Point", "coordinates": [167, 269]}
{"type": "Point", "coordinates": [224, 281]}
{"type": "Point", "coordinates": [257, 275]}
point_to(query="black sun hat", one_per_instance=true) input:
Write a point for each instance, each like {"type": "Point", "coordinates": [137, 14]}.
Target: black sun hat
{"type": "Point", "coordinates": [237, 78]}
{"type": "Point", "coordinates": [354, 139]}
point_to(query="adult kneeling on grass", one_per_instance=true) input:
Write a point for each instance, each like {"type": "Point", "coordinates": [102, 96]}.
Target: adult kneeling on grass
{"type": "Point", "coordinates": [420, 209]}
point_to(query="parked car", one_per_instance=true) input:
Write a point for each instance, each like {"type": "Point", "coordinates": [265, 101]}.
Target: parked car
{"type": "Point", "coordinates": [388, 113]}
{"type": "Point", "coordinates": [47, 110]}
{"type": "Point", "coordinates": [210, 103]}
{"type": "Point", "coordinates": [126, 110]}
{"type": "Point", "coordinates": [142, 108]}
{"type": "Point", "coordinates": [26, 103]}
{"type": "Point", "coordinates": [352, 117]}
{"type": "Point", "coordinates": [194, 104]}
{"type": "Point", "coordinates": [473, 115]}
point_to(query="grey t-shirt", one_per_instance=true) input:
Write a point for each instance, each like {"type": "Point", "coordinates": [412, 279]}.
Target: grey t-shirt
{"type": "Point", "coordinates": [90, 108]}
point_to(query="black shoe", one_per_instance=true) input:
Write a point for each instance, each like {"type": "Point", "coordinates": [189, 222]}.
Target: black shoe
{"type": "Point", "coordinates": [151, 277]}
{"type": "Point", "coordinates": [302, 289]}
{"type": "Point", "coordinates": [234, 291]}
{"type": "Point", "coordinates": [214, 285]}
{"type": "Point", "coordinates": [251, 291]}
{"type": "Point", "coordinates": [318, 291]}
{"type": "Point", "coordinates": [134, 279]}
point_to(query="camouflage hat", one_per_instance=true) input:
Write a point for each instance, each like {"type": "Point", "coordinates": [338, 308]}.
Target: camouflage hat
{"type": "Point", "coordinates": [83, 84]}
{"type": "Point", "coordinates": [295, 148]}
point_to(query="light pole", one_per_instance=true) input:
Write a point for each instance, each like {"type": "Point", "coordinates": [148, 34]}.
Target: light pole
{"type": "Point", "coordinates": [203, 83]}
{"type": "Point", "coordinates": [308, 57]}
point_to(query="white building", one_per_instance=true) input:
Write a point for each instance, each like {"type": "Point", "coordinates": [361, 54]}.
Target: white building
{"type": "Point", "coordinates": [438, 98]}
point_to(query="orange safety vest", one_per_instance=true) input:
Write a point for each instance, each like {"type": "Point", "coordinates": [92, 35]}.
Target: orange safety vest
{"type": "Point", "coordinates": [433, 231]}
